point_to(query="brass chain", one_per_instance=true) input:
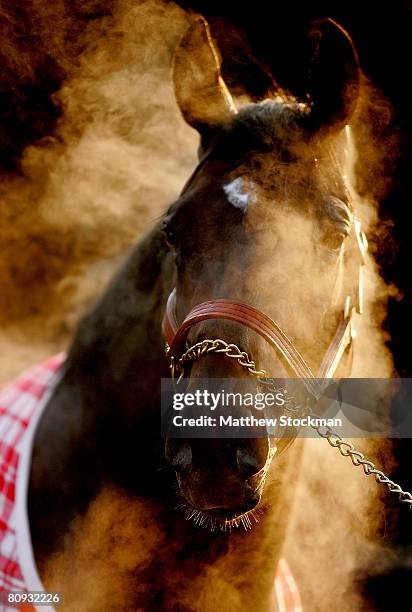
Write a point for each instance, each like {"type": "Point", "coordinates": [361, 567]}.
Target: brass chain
{"type": "Point", "coordinates": [346, 449]}
{"type": "Point", "coordinates": [220, 346]}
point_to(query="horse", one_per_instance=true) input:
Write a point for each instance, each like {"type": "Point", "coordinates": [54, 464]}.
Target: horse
{"type": "Point", "coordinates": [113, 508]}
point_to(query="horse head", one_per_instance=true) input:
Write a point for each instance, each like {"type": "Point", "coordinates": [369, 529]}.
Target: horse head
{"type": "Point", "coordinates": [262, 221]}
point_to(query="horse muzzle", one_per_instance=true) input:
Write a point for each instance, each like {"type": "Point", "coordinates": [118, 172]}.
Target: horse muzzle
{"type": "Point", "coordinates": [224, 478]}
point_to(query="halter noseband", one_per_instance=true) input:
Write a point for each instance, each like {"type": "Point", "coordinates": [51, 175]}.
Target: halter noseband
{"type": "Point", "coordinates": [269, 330]}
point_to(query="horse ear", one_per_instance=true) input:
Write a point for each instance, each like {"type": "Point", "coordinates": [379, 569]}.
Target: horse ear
{"type": "Point", "coordinates": [200, 90]}
{"type": "Point", "coordinates": [333, 76]}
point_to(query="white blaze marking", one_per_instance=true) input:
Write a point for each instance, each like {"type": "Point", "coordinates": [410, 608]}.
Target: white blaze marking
{"type": "Point", "coordinates": [240, 193]}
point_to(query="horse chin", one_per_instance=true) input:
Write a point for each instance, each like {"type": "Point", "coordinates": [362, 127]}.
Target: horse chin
{"type": "Point", "coordinates": [217, 518]}
{"type": "Point", "coordinates": [220, 520]}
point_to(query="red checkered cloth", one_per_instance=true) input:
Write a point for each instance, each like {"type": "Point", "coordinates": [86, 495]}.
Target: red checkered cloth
{"type": "Point", "coordinates": [20, 402]}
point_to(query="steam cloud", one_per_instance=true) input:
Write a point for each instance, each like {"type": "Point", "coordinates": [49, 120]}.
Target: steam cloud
{"type": "Point", "coordinates": [83, 193]}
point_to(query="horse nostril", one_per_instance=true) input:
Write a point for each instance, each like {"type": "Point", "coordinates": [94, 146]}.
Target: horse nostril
{"type": "Point", "coordinates": [251, 503]}
{"type": "Point", "coordinates": [178, 453]}
{"type": "Point", "coordinates": [246, 461]}
{"type": "Point", "coordinates": [252, 457]}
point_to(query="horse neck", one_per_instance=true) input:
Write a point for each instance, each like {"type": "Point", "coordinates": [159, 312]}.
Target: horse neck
{"type": "Point", "coordinates": [91, 429]}
{"type": "Point", "coordinates": [121, 341]}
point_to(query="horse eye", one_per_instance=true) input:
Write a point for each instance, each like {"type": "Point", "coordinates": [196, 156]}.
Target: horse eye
{"type": "Point", "coordinates": [170, 239]}
{"type": "Point", "coordinates": [169, 236]}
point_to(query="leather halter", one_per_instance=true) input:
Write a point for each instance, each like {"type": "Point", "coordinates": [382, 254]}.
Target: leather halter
{"type": "Point", "coordinates": [269, 330]}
